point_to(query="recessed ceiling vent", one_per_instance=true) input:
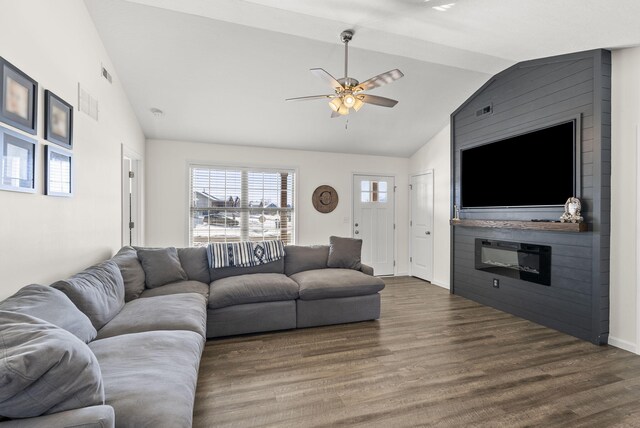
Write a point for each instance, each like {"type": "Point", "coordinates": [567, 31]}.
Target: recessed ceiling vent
{"type": "Point", "coordinates": [484, 110]}
{"type": "Point", "coordinates": [105, 73]}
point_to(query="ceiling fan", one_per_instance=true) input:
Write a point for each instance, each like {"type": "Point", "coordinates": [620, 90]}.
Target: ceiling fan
{"type": "Point", "coordinates": [348, 91]}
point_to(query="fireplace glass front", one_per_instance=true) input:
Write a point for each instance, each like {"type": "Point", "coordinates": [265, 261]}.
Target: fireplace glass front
{"type": "Point", "coordinates": [528, 262]}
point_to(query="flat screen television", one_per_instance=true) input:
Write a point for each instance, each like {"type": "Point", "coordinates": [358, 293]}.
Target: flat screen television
{"type": "Point", "coordinates": [535, 169]}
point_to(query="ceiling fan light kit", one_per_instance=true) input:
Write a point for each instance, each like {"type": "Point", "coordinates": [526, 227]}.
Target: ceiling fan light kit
{"type": "Point", "coordinates": [348, 91]}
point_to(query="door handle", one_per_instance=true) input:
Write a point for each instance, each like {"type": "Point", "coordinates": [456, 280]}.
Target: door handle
{"type": "Point", "coordinates": [427, 233]}
{"type": "Point", "coordinates": [356, 232]}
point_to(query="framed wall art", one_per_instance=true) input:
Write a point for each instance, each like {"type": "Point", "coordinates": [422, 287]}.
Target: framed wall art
{"type": "Point", "coordinates": [58, 172]}
{"type": "Point", "coordinates": [18, 98]}
{"type": "Point", "coordinates": [18, 154]}
{"type": "Point", "coordinates": [58, 120]}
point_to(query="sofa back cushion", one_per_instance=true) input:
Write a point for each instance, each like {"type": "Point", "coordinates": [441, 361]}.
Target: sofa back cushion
{"type": "Point", "coordinates": [273, 267]}
{"type": "Point", "coordinates": [132, 272]}
{"type": "Point", "coordinates": [161, 266]}
{"type": "Point", "coordinates": [300, 258]}
{"type": "Point", "coordinates": [344, 253]}
{"type": "Point", "coordinates": [44, 369]}
{"type": "Point", "coordinates": [97, 291]}
{"type": "Point", "coordinates": [53, 306]}
{"type": "Point", "coordinates": [195, 263]}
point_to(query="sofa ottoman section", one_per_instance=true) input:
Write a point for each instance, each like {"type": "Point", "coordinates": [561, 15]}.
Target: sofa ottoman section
{"type": "Point", "coordinates": [336, 296]}
{"type": "Point", "coordinates": [331, 283]}
{"type": "Point", "coordinates": [312, 313]}
{"type": "Point", "coordinates": [186, 311]}
{"type": "Point", "coordinates": [150, 378]}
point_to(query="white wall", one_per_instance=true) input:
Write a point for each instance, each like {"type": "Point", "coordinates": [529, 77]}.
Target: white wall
{"type": "Point", "coordinates": [44, 238]}
{"type": "Point", "coordinates": [167, 190]}
{"type": "Point", "coordinates": [436, 156]}
{"type": "Point", "coordinates": [625, 111]}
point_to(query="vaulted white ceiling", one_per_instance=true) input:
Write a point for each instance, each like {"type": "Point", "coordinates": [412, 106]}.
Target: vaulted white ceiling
{"type": "Point", "coordinates": [220, 70]}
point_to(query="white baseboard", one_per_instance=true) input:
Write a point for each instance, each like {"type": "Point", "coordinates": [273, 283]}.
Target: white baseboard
{"type": "Point", "coordinates": [402, 274]}
{"type": "Point", "coordinates": [439, 284]}
{"type": "Point", "coordinates": [623, 344]}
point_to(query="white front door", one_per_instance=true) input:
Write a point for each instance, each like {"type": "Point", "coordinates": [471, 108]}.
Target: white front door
{"type": "Point", "coordinates": [373, 220]}
{"type": "Point", "coordinates": [421, 226]}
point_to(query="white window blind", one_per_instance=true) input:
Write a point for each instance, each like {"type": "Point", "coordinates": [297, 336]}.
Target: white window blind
{"type": "Point", "coordinates": [231, 204]}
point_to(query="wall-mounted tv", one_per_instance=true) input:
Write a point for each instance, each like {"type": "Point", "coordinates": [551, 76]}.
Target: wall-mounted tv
{"type": "Point", "coordinates": [535, 169]}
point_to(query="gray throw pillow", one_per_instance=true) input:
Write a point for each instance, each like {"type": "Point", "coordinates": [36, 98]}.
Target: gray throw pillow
{"type": "Point", "coordinates": [97, 291]}
{"type": "Point", "coordinates": [299, 258]}
{"type": "Point", "coordinates": [132, 272]}
{"type": "Point", "coordinates": [161, 266]}
{"type": "Point", "coordinates": [44, 369]}
{"type": "Point", "coordinates": [195, 263]}
{"type": "Point", "coordinates": [344, 253]}
{"type": "Point", "coordinates": [53, 306]}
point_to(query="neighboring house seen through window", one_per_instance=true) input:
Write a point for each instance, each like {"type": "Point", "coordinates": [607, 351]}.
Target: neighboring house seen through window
{"type": "Point", "coordinates": [231, 204]}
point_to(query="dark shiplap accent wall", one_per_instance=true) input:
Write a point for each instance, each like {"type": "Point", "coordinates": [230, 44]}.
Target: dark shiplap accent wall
{"type": "Point", "coordinates": [525, 97]}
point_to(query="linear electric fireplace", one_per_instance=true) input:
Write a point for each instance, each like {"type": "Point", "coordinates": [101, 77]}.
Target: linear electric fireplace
{"type": "Point", "coordinates": [528, 262]}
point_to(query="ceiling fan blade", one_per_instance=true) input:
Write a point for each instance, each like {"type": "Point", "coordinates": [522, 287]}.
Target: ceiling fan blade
{"type": "Point", "coordinates": [322, 74]}
{"type": "Point", "coordinates": [380, 79]}
{"type": "Point", "coordinates": [334, 114]}
{"type": "Point", "coordinates": [312, 97]}
{"type": "Point", "coordinates": [378, 101]}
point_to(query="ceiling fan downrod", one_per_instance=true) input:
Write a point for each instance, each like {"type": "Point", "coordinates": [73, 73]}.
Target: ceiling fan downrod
{"type": "Point", "coordinates": [346, 37]}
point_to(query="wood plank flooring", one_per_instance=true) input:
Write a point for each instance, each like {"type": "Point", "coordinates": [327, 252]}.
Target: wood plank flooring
{"type": "Point", "coordinates": [433, 359]}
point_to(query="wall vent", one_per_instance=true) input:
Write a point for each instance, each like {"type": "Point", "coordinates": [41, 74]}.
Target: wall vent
{"type": "Point", "coordinates": [105, 73]}
{"type": "Point", "coordinates": [484, 110]}
{"type": "Point", "coordinates": [87, 104]}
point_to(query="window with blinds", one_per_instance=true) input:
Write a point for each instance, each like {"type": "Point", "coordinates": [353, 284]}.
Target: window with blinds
{"type": "Point", "coordinates": [230, 204]}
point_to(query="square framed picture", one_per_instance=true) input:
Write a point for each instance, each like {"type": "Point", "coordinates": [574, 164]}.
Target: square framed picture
{"type": "Point", "coordinates": [19, 155]}
{"type": "Point", "coordinates": [58, 120]}
{"type": "Point", "coordinates": [18, 98]}
{"type": "Point", "coordinates": [58, 172]}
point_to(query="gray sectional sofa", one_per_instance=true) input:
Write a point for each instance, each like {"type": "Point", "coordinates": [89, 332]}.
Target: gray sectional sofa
{"type": "Point", "coordinates": [120, 343]}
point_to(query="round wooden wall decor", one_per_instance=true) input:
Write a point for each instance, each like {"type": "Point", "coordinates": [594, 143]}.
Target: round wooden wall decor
{"type": "Point", "coordinates": [325, 199]}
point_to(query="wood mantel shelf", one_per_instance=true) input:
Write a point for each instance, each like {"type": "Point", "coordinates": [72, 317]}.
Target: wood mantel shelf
{"type": "Point", "coordinates": [517, 224]}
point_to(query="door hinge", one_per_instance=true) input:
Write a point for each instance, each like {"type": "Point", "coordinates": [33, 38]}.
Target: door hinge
{"type": "Point", "coordinates": [132, 174]}
{"type": "Point", "coordinates": [410, 186]}
{"type": "Point", "coordinates": [411, 259]}
{"type": "Point", "coordinates": [394, 226]}
{"type": "Point", "coordinates": [131, 225]}
{"type": "Point", "coordinates": [394, 263]}
{"type": "Point", "coordinates": [394, 188]}
{"type": "Point", "coordinates": [410, 222]}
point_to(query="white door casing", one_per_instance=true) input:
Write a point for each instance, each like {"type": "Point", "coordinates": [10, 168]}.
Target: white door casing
{"type": "Point", "coordinates": [421, 226]}
{"type": "Point", "coordinates": [373, 220]}
{"type": "Point", "coordinates": [131, 212]}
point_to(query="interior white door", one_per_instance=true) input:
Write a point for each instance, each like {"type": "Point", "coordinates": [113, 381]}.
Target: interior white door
{"type": "Point", "coordinates": [421, 226]}
{"type": "Point", "coordinates": [373, 220]}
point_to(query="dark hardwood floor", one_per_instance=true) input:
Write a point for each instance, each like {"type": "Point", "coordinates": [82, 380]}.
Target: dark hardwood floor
{"type": "Point", "coordinates": [433, 359]}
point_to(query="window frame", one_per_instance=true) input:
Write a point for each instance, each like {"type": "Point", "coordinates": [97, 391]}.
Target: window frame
{"type": "Point", "coordinates": [250, 168]}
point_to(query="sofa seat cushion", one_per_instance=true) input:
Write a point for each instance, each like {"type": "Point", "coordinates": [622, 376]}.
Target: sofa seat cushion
{"type": "Point", "coordinates": [51, 305]}
{"type": "Point", "coordinates": [150, 378]}
{"type": "Point", "coordinates": [329, 283]}
{"type": "Point", "coordinates": [178, 288]}
{"type": "Point", "coordinates": [44, 369]}
{"type": "Point", "coordinates": [252, 288]}
{"type": "Point", "coordinates": [185, 311]}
